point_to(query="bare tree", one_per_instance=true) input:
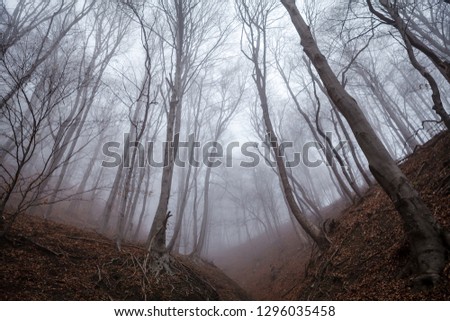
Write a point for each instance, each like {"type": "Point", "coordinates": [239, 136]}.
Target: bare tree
{"type": "Point", "coordinates": [109, 28]}
{"type": "Point", "coordinates": [255, 22]}
{"type": "Point", "coordinates": [424, 233]}
{"type": "Point", "coordinates": [230, 94]}
{"type": "Point", "coordinates": [24, 22]}
{"type": "Point", "coordinates": [411, 41]}
{"type": "Point", "coordinates": [195, 33]}
{"type": "Point", "coordinates": [195, 122]}
{"type": "Point", "coordinates": [25, 120]}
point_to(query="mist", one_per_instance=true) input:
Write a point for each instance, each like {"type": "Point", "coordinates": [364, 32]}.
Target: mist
{"type": "Point", "coordinates": [204, 128]}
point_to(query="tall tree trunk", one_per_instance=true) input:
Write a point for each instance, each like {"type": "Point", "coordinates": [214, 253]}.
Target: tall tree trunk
{"type": "Point", "coordinates": [312, 230]}
{"type": "Point", "coordinates": [186, 179]}
{"type": "Point", "coordinates": [74, 204]}
{"type": "Point", "coordinates": [194, 211]}
{"type": "Point", "coordinates": [157, 237]}
{"type": "Point", "coordinates": [356, 159]}
{"type": "Point", "coordinates": [200, 245]}
{"type": "Point", "coordinates": [107, 211]}
{"type": "Point", "coordinates": [131, 211]}
{"type": "Point", "coordinates": [424, 234]}
{"type": "Point", "coordinates": [144, 205]}
{"type": "Point", "coordinates": [317, 134]}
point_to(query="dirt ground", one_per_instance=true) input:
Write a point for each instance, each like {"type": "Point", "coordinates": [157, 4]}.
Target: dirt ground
{"type": "Point", "coordinates": [50, 261]}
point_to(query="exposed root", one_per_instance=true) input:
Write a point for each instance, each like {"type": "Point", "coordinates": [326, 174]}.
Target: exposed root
{"type": "Point", "coordinates": [426, 281]}
{"type": "Point", "coordinates": [158, 263]}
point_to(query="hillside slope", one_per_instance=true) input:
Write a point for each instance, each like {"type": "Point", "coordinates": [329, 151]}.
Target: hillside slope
{"type": "Point", "coordinates": [368, 259]}
{"type": "Point", "coordinates": [50, 261]}
{"type": "Point", "coordinates": [369, 256]}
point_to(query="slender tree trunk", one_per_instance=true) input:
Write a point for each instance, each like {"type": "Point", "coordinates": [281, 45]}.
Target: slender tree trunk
{"type": "Point", "coordinates": [395, 132]}
{"type": "Point", "coordinates": [183, 200]}
{"type": "Point", "coordinates": [388, 108]}
{"type": "Point", "coordinates": [304, 196]}
{"type": "Point", "coordinates": [144, 205]}
{"type": "Point", "coordinates": [344, 129]}
{"type": "Point", "coordinates": [312, 230]}
{"type": "Point", "coordinates": [200, 246]}
{"type": "Point", "coordinates": [194, 211]}
{"type": "Point", "coordinates": [107, 211]}
{"type": "Point", "coordinates": [74, 204]}
{"type": "Point", "coordinates": [352, 147]}
{"type": "Point", "coordinates": [317, 134]}
{"type": "Point", "coordinates": [411, 41]}
{"type": "Point", "coordinates": [131, 211]}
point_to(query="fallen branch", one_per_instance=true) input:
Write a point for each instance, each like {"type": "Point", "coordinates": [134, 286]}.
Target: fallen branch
{"type": "Point", "coordinates": [88, 240]}
{"type": "Point", "coordinates": [421, 169]}
{"type": "Point", "coordinates": [43, 247]}
{"type": "Point", "coordinates": [101, 242]}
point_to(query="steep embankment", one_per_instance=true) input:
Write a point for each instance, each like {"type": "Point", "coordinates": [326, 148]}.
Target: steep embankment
{"type": "Point", "coordinates": [369, 256]}
{"type": "Point", "coordinates": [49, 261]}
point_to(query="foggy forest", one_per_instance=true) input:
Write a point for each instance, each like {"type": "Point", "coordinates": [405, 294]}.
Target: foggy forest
{"type": "Point", "coordinates": [224, 150]}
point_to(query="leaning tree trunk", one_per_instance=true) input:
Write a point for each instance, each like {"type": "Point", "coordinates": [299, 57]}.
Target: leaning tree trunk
{"type": "Point", "coordinates": [315, 132]}
{"type": "Point", "coordinates": [312, 230]}
{"type": "Point", "coordinates": [423, 232]}
{"type": "Point", "coordinates": [374, 85]}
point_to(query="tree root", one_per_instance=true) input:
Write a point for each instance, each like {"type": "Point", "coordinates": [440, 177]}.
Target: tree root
{"type": "Point", "coordinates": [159, 263]}
{"type": "Point", "coordinates": [426, 281]}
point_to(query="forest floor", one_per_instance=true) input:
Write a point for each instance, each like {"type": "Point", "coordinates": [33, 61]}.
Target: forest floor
{"type": "Point", "coordinates": [42, 260]}
{"type": "Point", "coordinates": [368, 258]}
{"type": "Point", "coordinates": [51, 261]}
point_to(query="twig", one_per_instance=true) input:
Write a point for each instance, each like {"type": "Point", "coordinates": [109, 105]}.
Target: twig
{"type": "Point", "coordinates": [289, 291]}
{"type": "Point", "coordinates": [99, 274]}
{"type": "Point", "coordinates": [420, 169]}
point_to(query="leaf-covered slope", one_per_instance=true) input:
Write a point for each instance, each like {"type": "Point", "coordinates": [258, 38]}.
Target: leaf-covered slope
{"type": "Point", "coordinates": [368, 259]}
{"type": "Point", "coordinates": [369, 256]}
{"type": "Point", "coordinates": [50, 261]}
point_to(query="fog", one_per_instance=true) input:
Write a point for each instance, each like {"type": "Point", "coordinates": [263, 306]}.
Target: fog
{"type": "Point", "coordinates": [142, 120]}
